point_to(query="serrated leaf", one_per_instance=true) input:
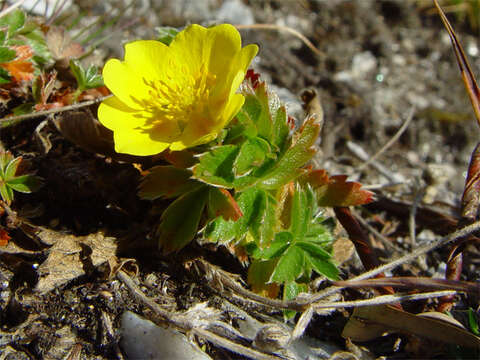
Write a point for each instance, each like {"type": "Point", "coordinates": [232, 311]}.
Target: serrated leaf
{"type": "Point", "coordinates": [301, 212]}
{"type": "Point", "coordinates": [25, 183]}
{"type": "Point", "coordinates": [13, 21]}
{"type": "Point", "coordinates": [264, 229]}
{"type": "Point", "coordinates": [79, 73]}
{"type": "Point", "coordinates": [313, 250]}
{"type": "Point", "coordinates": [6, 193]}
{"type": "Point", "coordinates": [5, 158]}
{"type": "Point", "coordinates": [275, 249]}
{"type": "Point", "coordinates": [7, 54]}
{"type": "Point", "coordinates": [35, 38]}
{"type": "Point", "coordinates": [280, 129]}
{"type": "Point", "coordinates": [220, 231]}
{"type": "Point", "coordinates": [252, 154]}
{"type": "Point", "coordinates": [216, 166]}
{"type": "Point", "coordinates": [336, 190]}
{"type": "Point", "coordinates": [318, 233]}
{"type": "Point", "coordinates": [242, 127]}
{"type": "Point", "coordinates": [289, 165]}
{"type": "Point", "coordinates": [92, 78]}
{"type": "Point", "coordinates": [289, 266]}
{"type": "Point", "coordinates": [179, 222]}
{"type": "Point", "coordinates": [260, 111]}
{"type": "Point", "coordinates": [166, 34]}
{"type": "Point", "coordinates": [324, 267]}
{"type": "Point", "coordinates": [252, 205]}
{"type": "Point", "coordinates": [21, 68]}
{"type": "Point", "coordinates": [259, 273]}
{"type": "Point", "coordinates": [166, 182]}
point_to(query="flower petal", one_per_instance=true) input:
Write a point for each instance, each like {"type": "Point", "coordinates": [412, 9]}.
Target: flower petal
{"type": "Point", "coordinates": [189, 47]}
{"type": "Point", "coordinates": [241, 64]}
{"type": "Point", "coordinates": [132, 129]}
{"type": "Point", "coordinates": [146, 58]}
{"type": "Point", "coordinates": [124, 83]}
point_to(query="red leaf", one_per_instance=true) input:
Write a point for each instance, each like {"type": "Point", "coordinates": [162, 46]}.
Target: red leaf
{"type": "Point", "coordinates": [253, 77]}
{"type": "Point", "coordinates": [21, 68]}
{"type": "Point", "coordinates": [336, 190]}
{"type": "Point", "coordinates": [222, 203]}
{"type": "Point", "coordinates": [4, 237]}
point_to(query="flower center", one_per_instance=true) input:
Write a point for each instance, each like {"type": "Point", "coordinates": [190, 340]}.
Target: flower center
{"type": "Point", "coordinates": [181, 97]}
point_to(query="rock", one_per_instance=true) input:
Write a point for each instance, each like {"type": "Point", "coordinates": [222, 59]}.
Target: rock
{"type": "Point", "coordinates": [142, 339]}
{"type": "Point", "coordinates": [235, 12]}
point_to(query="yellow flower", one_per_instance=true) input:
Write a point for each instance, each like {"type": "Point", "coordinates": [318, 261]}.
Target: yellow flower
{"type": "Point", "coordinates": [175, 96]}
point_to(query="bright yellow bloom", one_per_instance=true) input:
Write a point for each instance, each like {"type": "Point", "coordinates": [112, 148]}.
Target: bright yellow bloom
{"type": "Point", "coordinates": [175, 96]}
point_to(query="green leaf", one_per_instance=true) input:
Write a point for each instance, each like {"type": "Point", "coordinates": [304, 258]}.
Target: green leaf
{"type": "Point", "coordinates": [301, 211]}
{"type": "Point", "coordinates": [216, 166]}
{"type": "Point", "coordinates": [92, 78]}
{"type": "Point", "coordinates": [220, 231]}
{"type": "Point", "coordinates": [3, 37]}
{"type": "Point", "coordinates": [289, 266]}
{"type": "Point", "coordinates": [252, 154]}
{"type": "Point", "coordinates": [4, 76]}
{"type": "Point", "coordinates": [179, 222]}
{"type": "Point", "coordinates": [79, 73]}
{"type": "Point", "coordinates": [290, 292]}
{"type": "Point", "coordinates": [25, 183]}
{"type": "Point", "coordinates": [221, 203]}
{"type": "Point", "coordinates": [259, 273]}
{"type": "Point", "coordinates": [276, 248]}
{"type": "Point", "coordinates": [36, 39]}
{"type": "Point", "coordinates": [263, 230]}
{"type": "Point", "coordinates": [11, 168]}
{"type": "Point", "coordinates": [166, 34]}
{"type": "Point", "coordinates": [259, 111]}
{"type": "Point", "coordinates": [166, 182]}
{"type": "Point", "coordinates": [13, 21]}
{"type": "Point", "coordinates": [7, 54]}
{"type": "Point", "coordinates": [313, 250]}
{"type": "Point", "coordinates": [280, 129]}
{"type": "Point", "coordinates": [323, 267]}
{"type": "Point", "coordinates": [473, 321]}
{"type": "Point", "coordinates": [289, 166]}
{"type": "Point", "coordinates": [6, 193]}
{"type": "Point", "coordinates": [252, 205]}
{"type": "Point", "coordinates": [244, 126]}
{"type": "Point", "coordinates": [24, 108]}
{"type": "Point", "coordinates": [5, 158]}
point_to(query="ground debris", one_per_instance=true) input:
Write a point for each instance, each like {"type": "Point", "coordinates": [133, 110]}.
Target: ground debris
{"type": "Point", "coordinates": [71, 257]}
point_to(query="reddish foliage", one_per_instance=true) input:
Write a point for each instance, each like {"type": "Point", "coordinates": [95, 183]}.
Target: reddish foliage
{"type": "Point", "coordinates": [336, 190]}
{"type": "Point", "coordinates": [20, 68]}
{"type": "Point", "coordinates": [253, 77]}
{"type": "Point", "coordinates": [228, 208]}
{"type": "Point", "coordinates": [4, 237]}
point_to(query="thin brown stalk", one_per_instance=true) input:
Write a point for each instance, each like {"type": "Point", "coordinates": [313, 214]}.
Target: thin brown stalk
{"type": "Point", "coordinates": [390, 142]}
{"type": "Point", "coordinates": [294, 32]}
{"type": "Point", "coordinates": [13, 120]}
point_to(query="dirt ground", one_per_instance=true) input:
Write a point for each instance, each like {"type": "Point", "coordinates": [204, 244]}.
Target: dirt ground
{"type": "Point", "coordinates": [380, 63]}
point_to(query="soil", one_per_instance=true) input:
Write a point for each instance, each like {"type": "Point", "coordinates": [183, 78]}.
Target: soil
{"type": "Point", "coordinates": [380, 62]}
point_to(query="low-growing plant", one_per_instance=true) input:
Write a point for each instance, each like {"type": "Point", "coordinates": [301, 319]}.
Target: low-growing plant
{"type": "Point", "coordinates": [13, 179]}
{"type": "Point", "coordinates": [237, 170]}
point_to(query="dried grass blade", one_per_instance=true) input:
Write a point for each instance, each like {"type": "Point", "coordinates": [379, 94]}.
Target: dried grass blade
{"type": "Point", "coordinates": [466, 71]}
